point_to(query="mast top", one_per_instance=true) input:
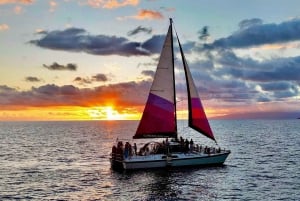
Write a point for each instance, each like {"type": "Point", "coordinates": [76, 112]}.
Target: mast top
{"type": "Point", "coordinates": [171, 21]}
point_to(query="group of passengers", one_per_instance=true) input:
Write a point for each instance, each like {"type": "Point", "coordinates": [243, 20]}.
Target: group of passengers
{"type": "Point", "coordinates": [120, 151]}
{"type": "Point", "coordinates": [188, 146]}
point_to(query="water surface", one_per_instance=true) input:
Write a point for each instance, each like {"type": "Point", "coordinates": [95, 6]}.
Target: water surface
{"type": "Point", "coordinates": [70, 161]}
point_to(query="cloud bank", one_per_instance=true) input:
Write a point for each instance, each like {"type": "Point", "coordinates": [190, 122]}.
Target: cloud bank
{"type": "Point", "coordinates": [254, 33]}
{"type": "Point", "coordinates": [69, 95]}
{"type": "Point", "coordinates": [79, 40]}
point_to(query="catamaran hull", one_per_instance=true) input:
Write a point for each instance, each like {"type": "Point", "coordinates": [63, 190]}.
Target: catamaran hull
{"type": "Point", "coordinates": [210, 160]}
{"type": "Point", "coordinates": [176, 160]}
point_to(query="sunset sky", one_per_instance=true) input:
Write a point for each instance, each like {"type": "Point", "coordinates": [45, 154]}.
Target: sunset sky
{"type": "Point", "coordinates": [94, 59]}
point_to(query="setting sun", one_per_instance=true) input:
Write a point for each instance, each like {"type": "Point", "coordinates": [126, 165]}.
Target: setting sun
{"type": "Point", "coordinates": [110, 113]}
{"type": "Point", "coordinates": [104, 113]}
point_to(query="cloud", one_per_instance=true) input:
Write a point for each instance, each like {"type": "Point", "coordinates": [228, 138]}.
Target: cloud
{"type": "Point", "coordinates": [276, 86]}
{"type": "Point", "coordinates": [82, 81]}
{"type": "Point", "coordinates": [154, 44]}
{"type": "Point", "coordinates": [89, 80]}
{"type": "Point", "coordinates": [4, 27]}
{"type": "Point", "coordinates": [100, 77]}
{"type": "Point", "coordinates": [53, 6]}
{"type": "Point", "coordinates": [148, 14]}
{"type": "Point", "coordinates": [16, 1]}
{"type": "Point", "coordinates": [78, 40]}
{"type": "Point", "coordinates": [18, 10]}
{"type": "Point", "coordinates": [254, 33]}
{"type": "Point", "coordinates": [5, 89]}
{"type": "Point", "coordinates": [69, 95]}
{"type": "Point", "coordinates": [111, 4]}
{"type": "Point", "coordinates": [278, 69]}
{"type": "Point", "coordinates": [32, 79]}
{"type": "Point", "coordinates": [244, 24]}
{"type": "Point", "coordinates": [233, 79]}
{"type": "Point", "coordinates": [149, 73]}
{"type": "Point", "coordinates": [203, 33]}
{"type": "Point", "coordinates": [56, 66]}
{"type": "Point", "coordinates": [139, 29]}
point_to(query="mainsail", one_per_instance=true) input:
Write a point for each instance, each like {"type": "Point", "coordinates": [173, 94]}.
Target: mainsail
{"type": "Point", "coordinates": [159, 116]}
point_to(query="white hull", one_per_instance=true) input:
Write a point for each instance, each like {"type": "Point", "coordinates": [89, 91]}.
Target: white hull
{"type": "Point", "coordinates": [175, 160]}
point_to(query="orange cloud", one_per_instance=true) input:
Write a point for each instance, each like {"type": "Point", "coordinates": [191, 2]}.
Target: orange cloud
{"type": "Point", "coordinates": [148, 14]}
{"type": "Point", "coordinates": [16, 1]}
{"type": "Point", "coordinates": [53, 6]}
{"type": "Point", "coordinates": [111, 4]}
{"type": "Point", "coordinates": [4, 27]}
{"type": "Point", "coordinates": [18, 9]}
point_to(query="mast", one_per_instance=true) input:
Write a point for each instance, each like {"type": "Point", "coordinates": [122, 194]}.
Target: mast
{"type": "Point", "coordinates": [174, 86]}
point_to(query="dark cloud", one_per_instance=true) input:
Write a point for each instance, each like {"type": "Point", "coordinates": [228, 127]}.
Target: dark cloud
{"type": "Point", "coordinates": [78, 40]}
{"type": "Point", "coordinates": [82, 81]}
{"type": "Point", "coordinates": [149, 73]}
{"type": "Point", "coordinates": [100, 77]}
{"type": "Point", "coordinates": [248, 69]}
{"type": "Point", "coordinates": [226, 77]}
{"type": "Point", "coordinates": [32, 79]}
{"type": "Point", "coordinates": [89, 80]}
{"type": "Point", "coordinates": [254, 33]}
{"type": "Point", "coordinates": [69, 95]}
{"type": "Point", "coordinates": [276, 86]}
{"type": "Point", "coordinates": [250, 22]}
{"type": "Point", "coordinates": [6, 89]}
{"type": "Point", "coordinates": [281, 69]}
{"type": "Point", "coordinates": [56, 66]}
{"type": "Point", "coordinates": [139, 29]}
{"type": "Point", "coordinates": [154, 44]}
{"type": "Point", "coordinates": [203, 33]}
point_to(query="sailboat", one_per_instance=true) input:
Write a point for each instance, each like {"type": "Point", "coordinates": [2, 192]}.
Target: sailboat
{"type": "Point", "coordinates": [159, 120]}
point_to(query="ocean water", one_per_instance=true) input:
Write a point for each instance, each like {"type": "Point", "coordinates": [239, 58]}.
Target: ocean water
{"type": "Point", "coordinates": [70, 161]}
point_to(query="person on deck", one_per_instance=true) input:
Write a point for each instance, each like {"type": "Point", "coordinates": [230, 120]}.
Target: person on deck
{"type": "Point", "coordinates": [126, 151]}
{"type": "Point", "coordinates": [191, 145]}
{"type": "Point", "coordinates": [135, 148]}
{"type": "Point", "coordinates": [186, 145]}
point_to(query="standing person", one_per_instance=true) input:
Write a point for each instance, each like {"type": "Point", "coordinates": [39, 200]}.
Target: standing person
{"type": "Point", "coordinates": [130, 150]}
{"type": "Point", "coordinates": [126, 152]}
{"type": "Point", "coordinates": [135, 148]}
{"type": "Point", "coordinates": [191, 145]}
{"type": "Point", "coordinates": [186, 145]}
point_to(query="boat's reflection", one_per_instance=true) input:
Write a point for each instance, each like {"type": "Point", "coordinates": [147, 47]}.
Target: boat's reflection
{"type": "Point", "coordinates": [166, 184]}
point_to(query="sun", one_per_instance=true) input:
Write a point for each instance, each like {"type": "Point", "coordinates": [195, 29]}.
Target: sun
{"type": "Point", "coordinates": [112, 114]}
{"type": "Point", "coordinates": [104, 113]}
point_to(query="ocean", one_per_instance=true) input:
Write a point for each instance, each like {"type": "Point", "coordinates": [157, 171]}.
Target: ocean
{"type": "Point", "coordinates": [70, 161]}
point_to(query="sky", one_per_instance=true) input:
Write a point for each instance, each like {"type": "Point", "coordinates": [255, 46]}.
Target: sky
{"type": "Point", "coordinates": [95, 59]}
